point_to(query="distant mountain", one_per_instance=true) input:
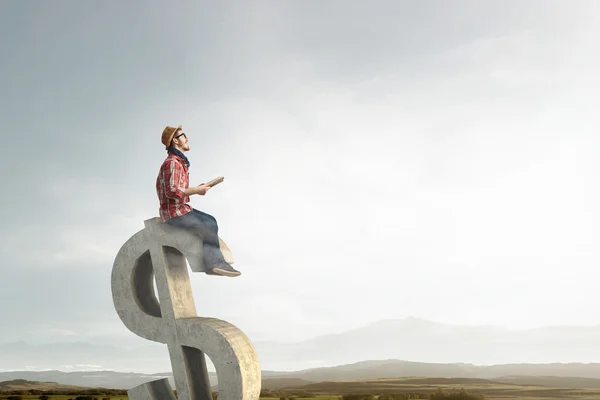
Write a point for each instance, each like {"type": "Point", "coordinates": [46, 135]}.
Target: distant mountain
{"type": "Point", "coordinates": [103, 379]}
{"type": "Point", "coordinates": [278, 383]}
{"type": "Point", "coordinates": [22, 384]}
{"type": "Point", "coordinates": [83, 356]}
{"type": "Point", "coordinates": [425, 341]}
{"type": "Point", "coordinates": [377, 369]}
{"type": "Point", "coordinates": [406, 339]}
{"type": "Point", "coordinates": [558, 375]}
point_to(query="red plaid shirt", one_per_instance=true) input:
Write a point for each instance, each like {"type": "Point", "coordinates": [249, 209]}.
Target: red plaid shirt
{"type": "Point", "coordinates": [173, 179]}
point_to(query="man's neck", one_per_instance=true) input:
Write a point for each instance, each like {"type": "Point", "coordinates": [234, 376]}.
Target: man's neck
{"type": "Point", "coordinates": [178, 153]}
{"type": "Point", "coordinates": [181, 151]}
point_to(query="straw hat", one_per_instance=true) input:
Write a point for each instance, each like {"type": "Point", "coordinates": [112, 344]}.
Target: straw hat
{"type": "Point", "coordinates": [168, 134]}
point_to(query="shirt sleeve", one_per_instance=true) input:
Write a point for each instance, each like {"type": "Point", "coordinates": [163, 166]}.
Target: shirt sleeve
{"type": "Point", "coordinates": [172, 176]}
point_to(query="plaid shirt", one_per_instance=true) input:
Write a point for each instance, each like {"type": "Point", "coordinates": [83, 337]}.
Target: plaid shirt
{"type": "Point", "coordinates": [173, 178]}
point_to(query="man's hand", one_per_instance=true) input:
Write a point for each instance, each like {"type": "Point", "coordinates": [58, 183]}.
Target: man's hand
{"type": "Point", "coordinates": [202, 189]}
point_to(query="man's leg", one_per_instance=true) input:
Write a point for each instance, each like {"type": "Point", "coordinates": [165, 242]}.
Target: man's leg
{"type": "Point", "coordinates": [211, 245]}
{"type": "Point", "coordinates": [206, 227]}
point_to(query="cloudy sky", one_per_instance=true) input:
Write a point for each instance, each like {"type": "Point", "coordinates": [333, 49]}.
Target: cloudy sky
{"type": "Point", "coordinates": [381, 160]}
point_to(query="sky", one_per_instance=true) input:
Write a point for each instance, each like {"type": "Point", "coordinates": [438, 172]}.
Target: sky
{"type": "Point", "coordinates": [382, 160]}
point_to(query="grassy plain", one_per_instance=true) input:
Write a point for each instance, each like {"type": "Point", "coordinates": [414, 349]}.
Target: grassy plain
{"type": "Point", "coordinates": [73, 396]}
{"type": "Point", "coordinates": [530, 393]}
{"type": "Point", "coordinates": [306, 398]}
{"type": "Point", "coordinates": [65, 397]}
{"type": "Point", "coordinates": [491, 389]}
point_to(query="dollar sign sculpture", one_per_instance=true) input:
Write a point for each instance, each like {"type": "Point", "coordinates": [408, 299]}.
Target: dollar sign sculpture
{"type": "Point", "coordinates": [160, 250]}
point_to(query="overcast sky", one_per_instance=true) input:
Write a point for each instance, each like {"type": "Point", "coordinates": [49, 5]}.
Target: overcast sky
{"type": "Point", "coordinates": [381, 159]}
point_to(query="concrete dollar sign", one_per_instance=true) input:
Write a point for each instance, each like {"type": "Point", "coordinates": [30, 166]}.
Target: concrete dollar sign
{"type": "Point", "coordinates": [160, 251]}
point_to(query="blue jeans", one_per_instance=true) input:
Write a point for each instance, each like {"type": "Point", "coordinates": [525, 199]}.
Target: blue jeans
{"type": "Point", "coordinates": [206, 227]}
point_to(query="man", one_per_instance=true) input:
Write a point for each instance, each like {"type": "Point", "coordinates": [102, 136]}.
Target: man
{"type": "Point", "coordinates": [172, 187]}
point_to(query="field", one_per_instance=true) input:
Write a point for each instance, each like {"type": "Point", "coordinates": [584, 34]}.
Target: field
{"type": "Point", "coordinates": [492, 390]}
{"type": "Point", "coordinates": [67, 397]}
{"type": "Point", "coordinates": [305, 398]}
{"type": "Point", "coordinates": [73, 396]}
{"type": "Point", "coordinates": [534, 393]}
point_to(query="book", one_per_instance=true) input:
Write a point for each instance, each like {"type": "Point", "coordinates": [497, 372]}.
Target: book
{"type": "Point", "coordinates": [215, 181]}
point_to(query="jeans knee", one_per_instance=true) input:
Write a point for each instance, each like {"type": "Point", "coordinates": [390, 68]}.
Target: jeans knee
{"type": "Point", "coordinates": [213, 225]}
{"type": "Point", "coordinates": [211, 221]}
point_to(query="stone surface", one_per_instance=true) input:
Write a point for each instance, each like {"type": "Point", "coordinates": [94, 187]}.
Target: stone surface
{"type": "Point", "coordinates": [159, 252]}
{"type": "Point", "coordinates": [155, 390]}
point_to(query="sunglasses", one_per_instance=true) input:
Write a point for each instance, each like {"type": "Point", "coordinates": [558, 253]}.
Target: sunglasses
{"type": "Point", "coordinates": [178, 136]}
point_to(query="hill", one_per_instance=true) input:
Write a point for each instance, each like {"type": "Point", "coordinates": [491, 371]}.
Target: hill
{"type": "Point", "coordinates": [374, 369]}
{"type": "Point", "coordinates": [23, 384]}
{"type": "Point", "coordinates": [575, 375]}
{"type": "Point", "coordinates": [91, 379]}
{"type": "Point", "coordinates": [431, 342]}
{"type": "Point", "coordinates": [278, 383]}
{"type": "Point", "coordinates": [407, 339]}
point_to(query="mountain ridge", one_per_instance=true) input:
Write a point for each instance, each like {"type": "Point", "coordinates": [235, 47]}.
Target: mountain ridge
{"type": "Point", "coordinates": [408, 339]}
{"type": "Point", "coordinates": [556, 374]}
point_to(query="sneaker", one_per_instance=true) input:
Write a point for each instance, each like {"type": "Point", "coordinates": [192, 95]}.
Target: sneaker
{"type": "Point", "coordinates": [224, 269]}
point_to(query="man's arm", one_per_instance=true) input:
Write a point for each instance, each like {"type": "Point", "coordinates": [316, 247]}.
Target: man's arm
{"type": "Point", "coordinates": [201, 190]}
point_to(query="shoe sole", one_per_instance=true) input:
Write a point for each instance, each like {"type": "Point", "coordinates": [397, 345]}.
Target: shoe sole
{"type": "Point", "coordinates": [224, 272]}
